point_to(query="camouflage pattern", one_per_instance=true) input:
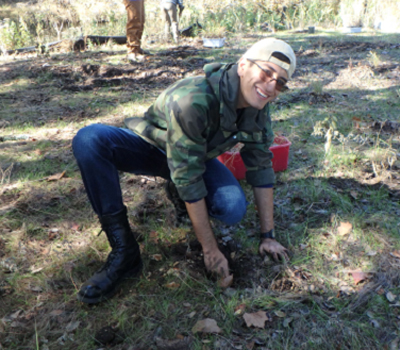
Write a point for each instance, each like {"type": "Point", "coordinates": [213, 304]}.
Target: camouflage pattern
{"type": "Point", "coordinates": [195, 120]}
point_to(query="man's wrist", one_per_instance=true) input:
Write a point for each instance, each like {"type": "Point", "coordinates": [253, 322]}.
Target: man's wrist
{"type": "Point", "coordinates": [270, 234]}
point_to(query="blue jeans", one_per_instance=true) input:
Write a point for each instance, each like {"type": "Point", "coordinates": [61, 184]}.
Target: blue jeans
{"type": "Point", "coordinates": [101, 151]}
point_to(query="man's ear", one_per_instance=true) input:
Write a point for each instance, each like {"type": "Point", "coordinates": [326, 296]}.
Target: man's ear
{"type": "Point", "coordinates": [242, 63]}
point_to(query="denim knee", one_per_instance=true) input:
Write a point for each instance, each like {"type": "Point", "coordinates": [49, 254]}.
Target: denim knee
{"type": "Point", "coordinates": [86, 140]}
{"type": "Point", "coordinates": [228, 205]}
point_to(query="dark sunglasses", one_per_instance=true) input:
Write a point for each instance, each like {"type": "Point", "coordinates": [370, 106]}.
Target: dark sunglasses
{"type": "Point", "coordinates": [267, 76]}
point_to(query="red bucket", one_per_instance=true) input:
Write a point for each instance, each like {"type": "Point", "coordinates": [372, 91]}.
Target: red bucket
{"type": "Point", "coordinates": [280, 148]}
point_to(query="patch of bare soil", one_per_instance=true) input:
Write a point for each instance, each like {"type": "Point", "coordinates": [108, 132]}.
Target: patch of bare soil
{"type": "Point", "coordinates": [247, 268]}
{"type": "Point", "coordinates": [355, 46]}
{"type": "Point", "coordinates": [163, 69]}
{"type": "Point", "coordinates": [309, 97]}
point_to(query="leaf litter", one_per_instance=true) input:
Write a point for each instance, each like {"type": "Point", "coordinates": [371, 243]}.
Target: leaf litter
{"type": "Point", "coordinates": [251, 279]}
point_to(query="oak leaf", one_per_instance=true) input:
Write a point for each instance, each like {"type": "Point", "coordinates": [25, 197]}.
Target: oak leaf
{"type": "Point", "coordinates": [358, 276]}
{"type": "Point", "coordinates": [256, 319]}
{"type": "Point", "coordinates": [344, 228]}
{"type": "Point", "coordinates": [208, 325]}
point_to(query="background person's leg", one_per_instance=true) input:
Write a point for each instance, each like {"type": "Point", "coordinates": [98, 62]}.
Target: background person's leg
{"type": "Point", "coordinates": [225, 200]}
{"type": "Point", "coordinates": [174, 22]}
{"type": "Point", "coordinates": [166, 19]}
{"type": "Point", "coordinates": [101, 151]}
{"type": "Point", "coordinates": [134, 25]}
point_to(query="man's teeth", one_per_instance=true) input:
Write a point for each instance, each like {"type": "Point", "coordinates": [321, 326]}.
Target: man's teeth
{"type": "Point", "coordinates": [261, 94]}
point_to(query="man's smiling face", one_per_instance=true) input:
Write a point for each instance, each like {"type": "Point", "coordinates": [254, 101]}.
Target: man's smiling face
{"type": "Point", "coordinates": [254, 91]}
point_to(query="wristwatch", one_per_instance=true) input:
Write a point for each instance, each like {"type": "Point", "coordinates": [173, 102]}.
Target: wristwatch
{"type": "Point", "coordinates": [270, 234]}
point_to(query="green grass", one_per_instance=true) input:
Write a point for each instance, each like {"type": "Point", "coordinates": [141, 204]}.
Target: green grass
{"type": "Point", "coordinates": [50, 225]}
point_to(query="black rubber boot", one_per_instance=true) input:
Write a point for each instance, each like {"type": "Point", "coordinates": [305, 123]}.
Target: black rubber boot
{"type": "Point", "coordinates": [123, 261]}
{"type": "Point", "coordinates": [180, 206]}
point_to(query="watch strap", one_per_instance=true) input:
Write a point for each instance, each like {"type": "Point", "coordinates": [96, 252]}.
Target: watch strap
{"type": "Point", "coordinates": [270, 234]}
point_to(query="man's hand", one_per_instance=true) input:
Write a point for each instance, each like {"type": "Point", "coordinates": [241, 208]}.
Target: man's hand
{"type": "Point", "coordinates": [271, 246]}
{"type": "Point", "coordinates": [216, 263]}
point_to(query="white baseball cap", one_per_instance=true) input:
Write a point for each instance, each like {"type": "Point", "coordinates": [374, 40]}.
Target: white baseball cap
{"type": "Point", "coordinates": [264, 50]}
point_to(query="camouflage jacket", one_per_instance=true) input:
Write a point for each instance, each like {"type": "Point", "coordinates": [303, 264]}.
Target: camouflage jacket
{"type": "Point", "coordinates": [195, 120]}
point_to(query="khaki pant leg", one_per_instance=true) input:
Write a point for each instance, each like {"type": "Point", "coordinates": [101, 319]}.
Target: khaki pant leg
{"type": "Point", "coordinates": [173, 13]}
{"type": "Point", "coordinates": [166, 18]}
{"type": "Point", "coordinates": [135, 24]}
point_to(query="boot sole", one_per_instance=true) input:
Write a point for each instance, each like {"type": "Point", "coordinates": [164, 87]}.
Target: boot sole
{"type": "Point", "coordinates": [132, 273]}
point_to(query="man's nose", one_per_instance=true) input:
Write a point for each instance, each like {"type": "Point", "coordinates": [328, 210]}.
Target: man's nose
{"type": "Point", "coordinates": [271, 85]}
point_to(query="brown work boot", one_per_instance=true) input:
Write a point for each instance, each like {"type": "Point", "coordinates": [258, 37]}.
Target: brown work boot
{"type": "Point", "coordinates": [137, 55]}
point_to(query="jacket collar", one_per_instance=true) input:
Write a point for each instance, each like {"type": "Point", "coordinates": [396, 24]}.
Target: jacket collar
{"type": "Point", "coordinates": [225, 82]}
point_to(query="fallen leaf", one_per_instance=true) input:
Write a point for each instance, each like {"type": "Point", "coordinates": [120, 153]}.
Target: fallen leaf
{"type": "Point", "coordinates": [75, 227]}
{"type": "Point", "coordinates": [240, 309]}
{"type": "Point", "coordinates": [344, 228]}
{"type": "Point", "coordinates": [72, 326]}
{"type": "Point", "coordinates": [173, 344]}
{"type": "Point", "coordinates": [287, 321]}
{"type": "Point", "coordinates": [172, 285]}
{"type": "Point", "coordinates": [68, 266]}
{"type": "Point", "coordinates": [250, 346]}
{"type": "Point", "coordinates": [358, 276]}
{"type": "Point", "coordinates": [36, 270]}
{"type": "Point", "coordinates": [52, 235]}
{"type": "Point", "coordinates": [280, 313]}
{"type": "Point", "coordinates": [175, 271]}
{"type": "Point", "coordinates": [156, 257]}
{"type": "Point", "coordinates": [396, 254]}
{"type": "Point", "coordinates": [356, 122]}
{"type": "Point", "coordinates": [16, 314]}
{"type": "Point", "coordinates": [225, 282]}
{"type": "Point", "coordinates": [256, 319]}
{"type": "Point", "coordinates": [354, 194]}
{"type": "Point", "coordinates": [153, 236]}
{"type": "Point", "coordinates": [207, 325]}
{"type": "Point", "coordinates": [391, 297]}
{"type": "Point", "coordinates": [191, 315]}
{"type": "Point", "coordinates": [375, 323]}
{"type": "Point", "coordinates": [56, 177]}
{"type": "Point", "coordinates": [380, 291]}
{"type": "Point", "coordinates": [56, 313]}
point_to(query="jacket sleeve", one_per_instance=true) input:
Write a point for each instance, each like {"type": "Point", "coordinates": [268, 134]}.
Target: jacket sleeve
{"type": "Point", "coordinates": [258, 158]}
{"type": "Point", "coordinates": [186, 144]}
